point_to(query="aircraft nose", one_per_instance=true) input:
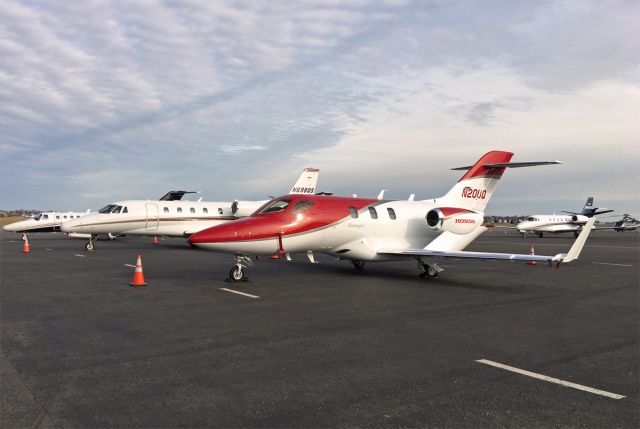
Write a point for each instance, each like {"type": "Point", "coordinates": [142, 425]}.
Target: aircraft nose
{"type": "Point", "coordinates": [69, 226]}
{"type": "Point", "coordinates": [7, 228]}
{"type": "Point", "coordinates": [207, 239]}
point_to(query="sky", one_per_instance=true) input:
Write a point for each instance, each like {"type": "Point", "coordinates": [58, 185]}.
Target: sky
{"type": "Point", "coordinates": [112, 100]}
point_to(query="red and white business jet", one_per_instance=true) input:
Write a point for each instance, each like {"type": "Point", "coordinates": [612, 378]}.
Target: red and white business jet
{"type": "Point", "coordinates": [364, 229]}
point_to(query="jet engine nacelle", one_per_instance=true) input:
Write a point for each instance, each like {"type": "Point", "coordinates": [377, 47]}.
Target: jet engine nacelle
{"type": "Point", "coordinates": [579, 219]}
{"type": "Point", "coordinates": [458, 221]}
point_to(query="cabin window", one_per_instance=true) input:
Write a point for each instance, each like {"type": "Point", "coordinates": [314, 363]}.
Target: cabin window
{"type": "Point", "coordinates": [219, 210]}
{"type": "Point", "coordinates": [179, 209]}
{"type": "Point", "coordinates": [166, 209]}
{"type": "Point", "coordinates": [354, 212]}
{"type": "Point", "coordinates": [192, 210]}
{"type": "Point", "coordinates": [301, 206]}
{"type": "Point", "coordinates": [124, 210]}
{"type": "Point", "coordinates": [205, 210]}
{"type": "Point", "coordinates": [275, 206]}
{"type": "Point", "coordinates": [45, 217]}
{"type": "Point", "coordinates": [57, 217]}
{"type": "Point", "coordinates": [373, 213]}
{"type": "Point", "coordinates": [392, 213]}
{"type": "Point", "coordinates": [64, 217]}
{"type": "Point", "coordinates": [106, 209]}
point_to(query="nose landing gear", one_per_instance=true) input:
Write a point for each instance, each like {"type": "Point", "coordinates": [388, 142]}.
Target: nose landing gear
{"type": "Point", "coordinates": [90, 246]}
{"type": "Point", "coordinates": [236, 274]}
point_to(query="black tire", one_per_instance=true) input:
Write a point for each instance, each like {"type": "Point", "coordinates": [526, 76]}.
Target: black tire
{"type": "Point", "coordinates": [90, 246]}
{"type": "Point", "coordinates": [236, 274]}
{"type": "Point", "coordinates": [432, 272]}
{"type": "Point", "coordinates": [540, 235]}
{"type": "Point", "coordinates": [358, 264]}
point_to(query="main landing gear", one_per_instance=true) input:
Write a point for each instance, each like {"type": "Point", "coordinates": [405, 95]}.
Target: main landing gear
{"type": "Point", "coordinates": [358, 264]}
{"type": "Point", "coordinates": [90, 246]}
{"type": "Point", "coordinates": [431, 271]}
{"type": "Point", "coordinates": [236, 274]}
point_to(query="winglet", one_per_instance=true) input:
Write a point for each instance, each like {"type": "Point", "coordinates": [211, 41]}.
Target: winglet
{"type": "Point", "coordinates": [575, 250]}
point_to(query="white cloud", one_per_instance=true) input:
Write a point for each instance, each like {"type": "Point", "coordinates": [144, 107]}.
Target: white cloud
{"type": "Point", "coordinates": [213, 93]}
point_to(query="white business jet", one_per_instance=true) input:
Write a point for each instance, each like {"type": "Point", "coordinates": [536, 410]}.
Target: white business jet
{"type": "Point", "coordinates": [368, 229]}
{"type": "Point", "coordinates": [43, 222]}
{"type": "Point", "coordinates": [170, 216]}
{"type": "Point", "coordinates": [559, 223]}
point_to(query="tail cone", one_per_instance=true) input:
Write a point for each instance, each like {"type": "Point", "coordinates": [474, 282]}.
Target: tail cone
{"type": "Point", "coordinates": [138, 276]}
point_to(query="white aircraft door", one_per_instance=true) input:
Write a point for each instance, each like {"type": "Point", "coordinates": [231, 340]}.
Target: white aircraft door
{"type": "Point", "coordinates": [153, 217]}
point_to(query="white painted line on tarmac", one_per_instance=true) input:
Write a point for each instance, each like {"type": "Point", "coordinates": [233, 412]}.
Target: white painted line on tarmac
{"type": "Point", "coordinates": [48, 249]}
{"type": "Point", "coordinates": [609, 263]}
{"type": "Point", "coordinates": [77, 254]}
{"type": "Point", "coordinates": [129, 265]}
{"type": "Point", "coordinates": [239, 293]}
{"type": "Point", "coordinates": [551, 379]}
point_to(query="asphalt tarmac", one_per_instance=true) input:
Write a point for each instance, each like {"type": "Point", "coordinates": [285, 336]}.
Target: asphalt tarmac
{"type": "Point", "coordinates": [318, 345]}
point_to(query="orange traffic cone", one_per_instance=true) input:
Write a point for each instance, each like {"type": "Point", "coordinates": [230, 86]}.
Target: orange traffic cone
{"type": "Point", "coordinates": [155, 240]}
{"type": "Point", "coordinates": [532, 262]}
{"type": "Point", "coordinates": [25, 246]}
{"type": "Point", "coordinates": [138, 276]}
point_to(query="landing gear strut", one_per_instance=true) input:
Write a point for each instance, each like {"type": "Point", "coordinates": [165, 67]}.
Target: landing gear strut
{"type": "Point", "coordinates": [428, 270]}
{"type": "Point", "coordinates": [236, 274]}
{"type": "Point", "coordinates": [90, 246]}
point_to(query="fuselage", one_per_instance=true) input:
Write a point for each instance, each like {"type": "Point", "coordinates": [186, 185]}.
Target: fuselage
{"type": "Point", "coordinates": [350, 228]}
{"type": "Point", "coordinates": [43, 222]}
{"type": "Point", "coordinates": [152, 217]}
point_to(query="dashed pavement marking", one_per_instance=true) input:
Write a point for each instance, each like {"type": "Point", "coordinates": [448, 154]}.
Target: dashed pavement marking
{"type": "Point", "coordinates": [239, 293]}
{"type": "Point", "coordinates": [551, 379]}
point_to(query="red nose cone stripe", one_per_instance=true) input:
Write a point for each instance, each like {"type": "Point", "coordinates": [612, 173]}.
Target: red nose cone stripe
{"type": "Point", "coordinates": [493, 157]}
{"type": "Point", "coordinates": [324, 212]}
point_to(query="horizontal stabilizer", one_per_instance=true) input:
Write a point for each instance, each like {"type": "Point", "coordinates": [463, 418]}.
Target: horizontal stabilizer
{"type": "Point", "coordinates": [175, 195]}
{"type": "Point", "coordinates": [511, 164]}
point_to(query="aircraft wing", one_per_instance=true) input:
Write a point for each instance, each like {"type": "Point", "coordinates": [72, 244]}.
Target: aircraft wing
{"type": "Point", "coordinates": [573, 253]}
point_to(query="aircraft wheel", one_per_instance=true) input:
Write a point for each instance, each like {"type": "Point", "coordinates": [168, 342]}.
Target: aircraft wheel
{"type": "Point", "coordinates": [89, 246]}
{"type": "Point", "coordinates": [575, 234]}
{"type": "Point", "coordinates": [540, 234]}
{"type": "Point", "coordinates": [358, 264]}
{"type": "Point", "coordinates": [432, 272]}
{"type": "Point", "coordinates": [236, 274]}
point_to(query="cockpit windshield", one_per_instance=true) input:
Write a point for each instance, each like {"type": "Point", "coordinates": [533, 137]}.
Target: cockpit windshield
{"type": "Point", "coordinates": [37, 217]}
{"type": "Point", "coordinates": [106, 209]}
{"type": "Point", "coordinates": [275, 206]}
{"type": "Point", "coordinates": [111, 208]}
{"type": "Point", "coordinates": [301, 206]}
{"type": "Point", "coordinates": [531, 219]}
